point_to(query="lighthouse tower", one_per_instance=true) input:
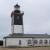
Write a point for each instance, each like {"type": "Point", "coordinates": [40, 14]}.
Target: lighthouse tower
{"type": "Point", "coordinates": [17, 20]}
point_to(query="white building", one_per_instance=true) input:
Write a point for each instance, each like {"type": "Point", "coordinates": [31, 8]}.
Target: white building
{"type": "Point", "coordinates": [27, 40]}
{"type": "Point", "coordinates": [18, 38]}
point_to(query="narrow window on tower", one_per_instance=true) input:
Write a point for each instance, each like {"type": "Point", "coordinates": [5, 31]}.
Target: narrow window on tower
{"type": "Point", "coordinates": [49, 41]}
{"type": "Point", "coordinates": [40, 41]}
{"type": "Point", "coordinates": [19, 42]}
{"type": "Point", "coordinates": [35, 42]}
{"type": "Point", "coordinates": [29, 41]}
{"type": "Point", "coordinates": [45, 41]}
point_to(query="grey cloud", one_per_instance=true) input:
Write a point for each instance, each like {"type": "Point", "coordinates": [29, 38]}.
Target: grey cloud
{"type": "Point", "coordinates": [36, 15]}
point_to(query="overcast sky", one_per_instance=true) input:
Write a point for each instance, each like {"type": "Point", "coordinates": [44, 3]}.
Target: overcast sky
{"type": "Point", "coordinates": [36, 16]}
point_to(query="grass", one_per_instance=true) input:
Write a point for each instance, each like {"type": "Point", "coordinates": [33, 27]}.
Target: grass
{"type": "Point", "coordinates": [32, 48]}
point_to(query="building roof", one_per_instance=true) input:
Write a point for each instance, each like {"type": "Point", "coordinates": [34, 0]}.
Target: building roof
{"type": "Point", "coordinates": [28, 36]}
{"type": "Point", "coordinates": [17, 6]}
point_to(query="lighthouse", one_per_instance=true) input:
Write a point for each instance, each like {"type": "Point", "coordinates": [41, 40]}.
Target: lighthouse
{"type": "Point", "coordinates": [17, 38]}
{"type": "Point", "coordinates": [17, 20]}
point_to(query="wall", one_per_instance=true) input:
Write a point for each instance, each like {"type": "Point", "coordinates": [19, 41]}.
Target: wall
{"type": "Point", "coordinates": [24, 41]}
{"type": "Point", "coordinates": [38, 39]}
{"type": "Point", "coordinates": [15, 41]}
{"type": "Point", "coordinates": [18, 29]}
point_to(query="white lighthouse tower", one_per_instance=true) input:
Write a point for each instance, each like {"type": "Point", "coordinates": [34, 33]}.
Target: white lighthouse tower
{"type": "Point", "coordinates": [17, 20]}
